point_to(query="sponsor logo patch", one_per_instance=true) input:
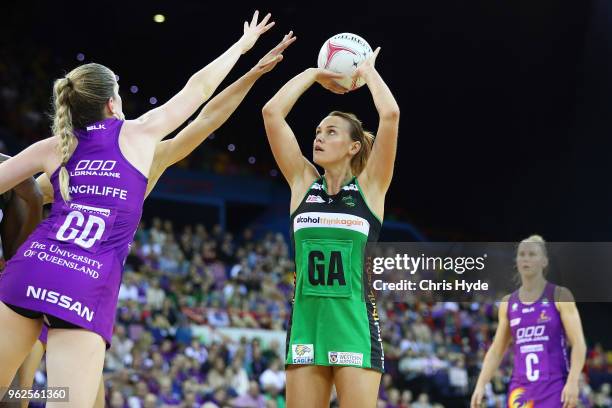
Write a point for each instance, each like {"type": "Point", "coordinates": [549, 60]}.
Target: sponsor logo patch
{"type": "Point", "coordinates": [315, 199]}
{"type": "Point", "coordinates": [302, 353]}
{"type": "Point", "coordinates": [348, 201]}
{"type": "Point", "coordinates": [543, 317]}
{"type": "Point", "coordinates": [528, 309]}
{"type": "Point", "coordinates": [515, 322]}
{"type": "Point", "coordinates": [331, 220]}
{"type": "Point", "coordinates": [345, 358]}
{"type": "Point", "coordinates": [532, 348]}
{"type": "Point", "coordinates": [514, 307]}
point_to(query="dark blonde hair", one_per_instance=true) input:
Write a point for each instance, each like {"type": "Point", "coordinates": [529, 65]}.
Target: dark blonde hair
{"type": "Point", "coordinates": [357, 134]}
{"type": "Point", "coordinates": [78, 100]}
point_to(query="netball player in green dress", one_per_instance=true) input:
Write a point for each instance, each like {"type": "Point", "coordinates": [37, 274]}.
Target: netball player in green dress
{"type": "Point", "coordinates": [334, 335]}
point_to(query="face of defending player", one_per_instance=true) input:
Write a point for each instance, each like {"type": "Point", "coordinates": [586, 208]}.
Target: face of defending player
{"type": "Point", "coordinates": [530, 260]}
{"type": "Point", "coordinates": [333, 144]}
{"type": "Point", "coordinates": [114, 106]}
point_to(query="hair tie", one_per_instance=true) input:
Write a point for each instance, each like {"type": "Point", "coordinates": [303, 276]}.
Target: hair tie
{"type": "Point", "coordinates": [69, 83]}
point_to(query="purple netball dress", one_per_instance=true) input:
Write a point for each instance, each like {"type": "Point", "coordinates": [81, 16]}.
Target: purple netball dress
{"type": "Point", "coordinates": [540, 354]}
{"type": "Point", "coordinates": [70, 267]}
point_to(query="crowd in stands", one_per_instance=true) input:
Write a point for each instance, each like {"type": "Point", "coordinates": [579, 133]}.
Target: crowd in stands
{"type": "Point", "coordinates": [176, 281]}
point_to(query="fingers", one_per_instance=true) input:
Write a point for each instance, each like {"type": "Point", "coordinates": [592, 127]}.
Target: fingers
{"type": "Point", "coordinates": [254, 19]}
{"type": "Point", "coordinates": [336, 88]}
{"type": "Point", "coordinates": [265, 20]}
{"type": "Point", "coordinates": [376, 53]}
{"type": "Point", "coordinates": [332, 75]}
{"type": "Point", "coordinates": [266, 28]}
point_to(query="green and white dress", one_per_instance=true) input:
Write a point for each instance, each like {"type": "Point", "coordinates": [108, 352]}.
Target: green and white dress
{"type": "Point", "coordinates": [334, 320]}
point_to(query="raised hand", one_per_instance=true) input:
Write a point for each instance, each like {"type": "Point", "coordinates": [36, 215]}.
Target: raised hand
{"type": "Point", "coordinates": [269, 61]}
{"type": "Point", "coordinates": [253, 30]}
{"type": "Point", "coordinates": [328, 78]}
{"type": "Point", "coordinates": [366, 65]}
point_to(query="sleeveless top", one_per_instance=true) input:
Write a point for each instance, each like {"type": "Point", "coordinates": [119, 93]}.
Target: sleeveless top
{"type": "Point", "coordinates": [71, 265]}
{"type": "Point", "coordinates": [339, 225]}
{"type": "Point", "coordinates": [539, 347]}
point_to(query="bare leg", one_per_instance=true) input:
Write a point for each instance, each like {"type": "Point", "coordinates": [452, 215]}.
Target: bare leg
{"type": "Point", "coordinates": [18, 336]}
{"type": "Point", "coordinates": [28, 368]}
{"type": "Point", "coordinates": [308, 386]}
{"type": "Point", "coordinates": [75, 359]}
{"type": "Point", "coordinates": [357, 387]}
{"type": "Point", "coordinates": [100, 397]}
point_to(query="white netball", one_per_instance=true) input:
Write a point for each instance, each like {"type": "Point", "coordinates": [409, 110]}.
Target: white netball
{"type": "Point", "coordinates": [342, 54]}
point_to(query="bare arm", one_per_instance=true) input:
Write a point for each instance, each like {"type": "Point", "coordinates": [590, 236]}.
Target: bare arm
{"type": "Point", "coordinates": [285, 148]}
{"type": "Point", "coordinates": [379, 169]}
{"type": "Point", "coordinates": [34, 159]}
{"type": "Point", "coordinates": [213, 115]}
{"type": "Point", "coordinates": [573, 330]}
{"type": "Point", "coordinates": [159, 122]}
{"type": "Point", "coordinates": [495, 354]}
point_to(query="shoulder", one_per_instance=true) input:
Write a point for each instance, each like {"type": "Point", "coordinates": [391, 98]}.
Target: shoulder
{"type": "Point", "coordinates": [502, 305]}
{"type": "Point", "coordinates": [563, 294]}
{"type": "Point", "coordinates": [563, 297]}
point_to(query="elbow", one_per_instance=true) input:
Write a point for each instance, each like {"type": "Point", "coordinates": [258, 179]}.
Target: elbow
{"type": "Point", "coordinates": [392, 113]}
{"type": "Point", "coordinates": [269, 110]}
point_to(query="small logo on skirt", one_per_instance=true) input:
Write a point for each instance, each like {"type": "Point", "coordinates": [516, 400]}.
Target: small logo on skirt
{"type": "Point", "coordinates": [345, 358]}
{"type": "Point", "coordinates": [302, 353]}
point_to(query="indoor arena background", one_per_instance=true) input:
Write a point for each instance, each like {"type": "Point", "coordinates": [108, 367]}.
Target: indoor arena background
{"type": "Point", "coordinates": [505, 131]}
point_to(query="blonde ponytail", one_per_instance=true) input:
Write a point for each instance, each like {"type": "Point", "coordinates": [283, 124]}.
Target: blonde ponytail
{"type": "Point", "coordinates": [62, 127]}
{"type": "Point", "coordinates": [78, 101]}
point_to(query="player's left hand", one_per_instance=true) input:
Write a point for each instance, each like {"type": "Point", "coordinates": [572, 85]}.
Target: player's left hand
{"type": "Point", "coordinates": [366, 65]}
{"type": "Point", "coordinates": [569, 395]}
{"type": "Point", "coordinates": [269, 61]}
{"type": "Point", "coordinates": [253, 30]}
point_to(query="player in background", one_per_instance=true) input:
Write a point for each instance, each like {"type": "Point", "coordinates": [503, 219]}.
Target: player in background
{"type": "Point", "coordinates": [20, 212]}
{"type": "Point", "coordinates": [537, 318]}
{"type": "Point", "coordinates": [171, 151]}
{"type": "Point", "coordinates": [92, 221]}
{"type": "Point", "coordinates": [334, 333]}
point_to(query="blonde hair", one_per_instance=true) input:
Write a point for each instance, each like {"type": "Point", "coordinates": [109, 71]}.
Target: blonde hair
{"type": "Point", "coordinates": [538, 240]}
{"type": "Point", "coordinates": [78, 100]}
{"type": "Point", "coordinates": [357, 134]}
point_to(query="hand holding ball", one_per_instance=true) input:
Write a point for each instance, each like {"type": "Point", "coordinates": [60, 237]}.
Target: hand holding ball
{"type": "Point", "coordinates": [342, 54]}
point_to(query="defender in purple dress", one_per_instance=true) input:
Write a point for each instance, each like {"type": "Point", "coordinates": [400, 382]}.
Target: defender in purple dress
{"type": "Point", "coordinates": [68, 272]}
{"type": "Point", "coordinates": [541, 320]}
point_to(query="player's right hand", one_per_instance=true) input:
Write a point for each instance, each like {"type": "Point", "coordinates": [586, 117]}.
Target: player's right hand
{"type": "Point", "coordinates": [328, 78]}
{"type": "Point", "coordinates": [477, 397]}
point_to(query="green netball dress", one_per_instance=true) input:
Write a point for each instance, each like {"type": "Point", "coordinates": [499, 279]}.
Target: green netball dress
{"type": "Point", "coordinates": [333, 321]}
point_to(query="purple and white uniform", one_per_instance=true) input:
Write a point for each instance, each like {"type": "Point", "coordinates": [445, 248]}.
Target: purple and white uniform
{"type": "Point", "coordinates": [71, 265]}
{"type": "Point", "coordinates": [540, 354]}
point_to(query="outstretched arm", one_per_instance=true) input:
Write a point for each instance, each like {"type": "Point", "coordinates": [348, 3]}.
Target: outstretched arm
{"type": "Point", "coordinates": [213, 115]}
{"type": "Point", "coordinates": [159, 122]}
{"type": "Point", "coordinates": [379, 169]}
{"type": "Point", "coordinates": [285, 148]}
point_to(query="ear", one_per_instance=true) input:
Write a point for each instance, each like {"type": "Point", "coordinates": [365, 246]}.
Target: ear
{"type": "Point", "coordinates": [545, 262]}
{"type": "Point", "coordinates": [109, 107]}
{"type": "Point", "coordinates": [355, 147]}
